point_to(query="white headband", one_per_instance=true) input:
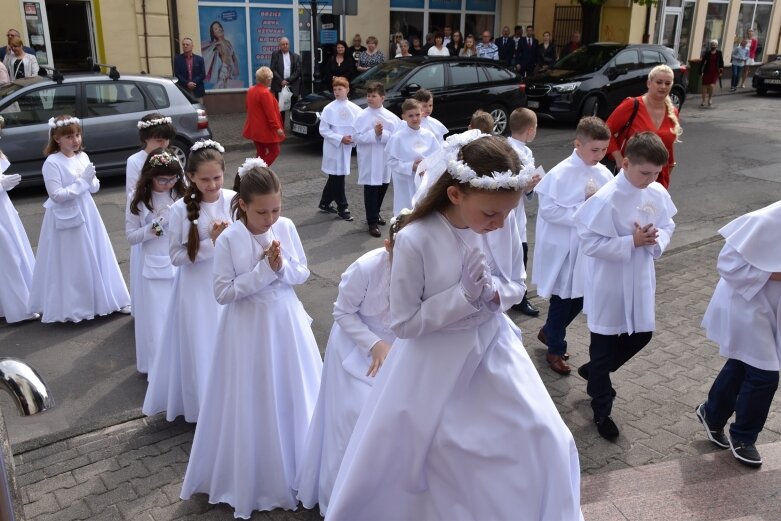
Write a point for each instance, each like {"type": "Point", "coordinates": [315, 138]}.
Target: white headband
{"type": "Point", "coordinates": [464, 174]}
{"type": "Point", "coordinates": [154, 122]}
{"type": "Point", "coordinates": [251, 163]}
{"type": "Point", "coordinates": [207, 143]}
{"type": "Point", "coordinates": [71, 120]}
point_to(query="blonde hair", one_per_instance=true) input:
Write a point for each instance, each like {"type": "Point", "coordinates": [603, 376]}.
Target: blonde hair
{"type": "Point", "coordinates": [677, 129]}
{"type": "Point", "coordinates": [264, 76]}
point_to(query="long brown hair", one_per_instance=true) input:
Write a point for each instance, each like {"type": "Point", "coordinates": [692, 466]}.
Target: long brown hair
{"type": "Point", "coordinates": [52, 147]}
{"type": "Point", "coordinates": [193, 196]}
{"type": "Point", "coordinates": [257, 181]}
{"type": "Point", "coordinates": [154, 167]}
{"type": "Point", "coordinates": [484, 155]}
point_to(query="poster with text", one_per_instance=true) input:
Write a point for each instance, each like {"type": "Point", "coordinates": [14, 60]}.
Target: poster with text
{"type": "Point", "coordinates": [267, 26]}
{"type": "Point", "coordinates": [224, 47]}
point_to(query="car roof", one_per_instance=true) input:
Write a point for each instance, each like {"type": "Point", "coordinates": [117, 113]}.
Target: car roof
{"type": "Point", "coordinates": [420, 60]}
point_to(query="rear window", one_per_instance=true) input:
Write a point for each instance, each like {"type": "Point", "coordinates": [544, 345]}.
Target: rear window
{"type": "Point", "coordinates": [158, 94]}
{"type": "Point", "coordinates": [463, 74]}
{"type": "Point", "coordinates": [38, 106]}
{"type": "Point", "coordinates": [497, 73]}
{"type": "Point", "coordinates": [113, 97]}
{"type": "Point", "coordinates": [652, 58]}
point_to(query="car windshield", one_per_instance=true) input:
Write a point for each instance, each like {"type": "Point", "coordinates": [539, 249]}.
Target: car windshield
{"type": "Point", "coordinates": [587, 59]}
{"type": "Point", "coordinates": [388, 73]}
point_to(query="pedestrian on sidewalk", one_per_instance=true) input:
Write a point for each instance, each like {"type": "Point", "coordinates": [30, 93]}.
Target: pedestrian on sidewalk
{"type": "Point", "coordinates": [712, 67]}
{"type": "Point", "coordinates": [739, 59]}
{"type": "Point", "coordinates": [264, 123]}
{"type": "Point", "coordinates": [743, 319]}
{"type": "Point", "coordinates": [624, 228]}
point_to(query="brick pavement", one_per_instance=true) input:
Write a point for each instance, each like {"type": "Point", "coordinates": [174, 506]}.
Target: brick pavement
{"type": "Point", "coordinates": [134, 470]}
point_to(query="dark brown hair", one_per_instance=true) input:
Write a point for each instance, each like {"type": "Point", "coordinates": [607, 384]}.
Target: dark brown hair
{"type": "Point", "coordinates": [52, 147]}
{"type": "Point", "coordinates": [409, 104]}
{"type": "Point", "coordinates": [193, 196]}
{"type": "Point", "coordinates": [646, 147]}
{"type": "Point", "coordinates": [423, 95]}
{"type": "Point", "coordinates": [521, 119]}
{"type": "Point", "coordinates": [375, 87]}
{"type": "Point", "coordinates": [482, 121]}
{"type": "Point", "coordinates": [161, 131]}
{"type": "Point", "coordinates": [143, 191]}
{"type": "Point", "coordinates": [591, 128]}
{"type": "Point", "coordinates": [257, 181]}
{"type": "Point", "coordinates": [484, 155]}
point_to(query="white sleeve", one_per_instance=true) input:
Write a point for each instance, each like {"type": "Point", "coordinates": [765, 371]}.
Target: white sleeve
{"type": "Point", "coordinates": [136, 231]}
{"type": "Point", "coordinates": [511, 291]}
{"type": "Point", "coordinates": [606, 248]}
{"type": "Point", "coordinates": [54, 187]}
{"type": "Point", "coordinates": [328, 134]}
{"type": "Point", "coordinates": [554, 213]}
{"type": "Point", "coordinates": [664, 238]}
{"type": "Point", "coordinates": [294, 269]}
{"type": "Point", "coordinates": [177, 244]}
{"type": "Point", "coordinates": [229, 285]}
{"type": "Point", "coordinates": [352, 291]}
{"type": "Point", "coordinates": [744, 278]}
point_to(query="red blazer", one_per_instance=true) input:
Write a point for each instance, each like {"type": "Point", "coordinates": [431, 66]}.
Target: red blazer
{"type": "Point", "coordinates": [263, 117]}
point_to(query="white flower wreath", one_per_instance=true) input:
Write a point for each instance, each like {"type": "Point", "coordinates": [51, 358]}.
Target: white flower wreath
{"type": "Point", "coordinates": [71, 120]}
{"type": "Point", "coordinates": [154, 122]}
{"type": "Point", "coordinates": [164, 159]}
{"type": "Point", "coordinates": [249, 164]}
{"type": "Point", "coordinates": [207, 143]}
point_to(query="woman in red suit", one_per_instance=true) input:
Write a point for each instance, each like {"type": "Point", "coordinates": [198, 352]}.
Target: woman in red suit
{"type": "Point", "coordinates": [264, 124]}
{"type": "Point", "coordinates": [655, 112]}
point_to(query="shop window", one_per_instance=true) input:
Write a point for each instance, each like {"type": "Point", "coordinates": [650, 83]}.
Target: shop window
{"type": "Point", "coordinates": [438, 21]}
{"type": "Point", "coordinates": [477, 23]}
{"type": "Point", "coordinates": [753, 16]}
{"type": "Point", "coordinates": [408, 23]}
{"type": "Point", "coordinates": [37, 107]}
{"type": "Point", "coordinates": [430, 77]}
{"type": "Point", "coordinates": [109, 99]}
{"type": "Point", "coordinates": [715, 25]}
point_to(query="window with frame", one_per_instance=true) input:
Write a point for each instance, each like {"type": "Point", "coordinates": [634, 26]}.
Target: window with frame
{"type": "Point", "coordinates": [463, 74]}
{"type": "Point", "coordinates": [626, 59]}
{"type": "Point", "coordinates": [497, 73]}
{"type": "Point", "coordinates": [429, 77]}
{"type": "Point", "coordinates": [651, 58]}
{"type": "Point", "coordinates": [113, 98]}
{"type": "Point", "coordinates": [38, 106]}
{"type": "Point", "coordinates": [158, 94]}
{"type": "Point", "coordinates": [753, 16]}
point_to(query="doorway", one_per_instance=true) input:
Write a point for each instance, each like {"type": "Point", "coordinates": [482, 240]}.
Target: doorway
{"type": "Point", "coordinates": [72, 37]}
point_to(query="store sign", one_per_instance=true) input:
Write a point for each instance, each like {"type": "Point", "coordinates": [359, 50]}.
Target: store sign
{"type": "Point", "coordinates": [268, 25]}
{"type": "Point", "coordinates": [407, 4]}
{"type": "Point", "coordinates": [33, 18]}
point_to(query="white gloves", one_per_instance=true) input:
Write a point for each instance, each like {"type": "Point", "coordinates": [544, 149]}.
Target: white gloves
{"type": "Point", "coordinates": [9, 182]}
{"type": "Point", "coordinates": [473, 275]}
{"type": "Point", "coordinates": [489, 288]}
{"type": "Point", "coordinates": [89, 173]}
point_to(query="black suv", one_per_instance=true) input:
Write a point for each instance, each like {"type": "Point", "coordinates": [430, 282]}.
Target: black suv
{"type": "Point", "coordinates": [595, 79]}
{"type": "Point", "coordinates": [460, 86]}
{"type": "Point", "coordinates": [768, 77]}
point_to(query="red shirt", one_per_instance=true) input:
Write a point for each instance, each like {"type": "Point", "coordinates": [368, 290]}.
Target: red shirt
{"type": "Point", "coordinates": [642, 123]}
{"type": "Point", "coordinates": [263, 117]}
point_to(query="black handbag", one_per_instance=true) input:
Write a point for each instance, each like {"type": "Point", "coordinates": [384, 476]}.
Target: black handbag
{"type": "Point", "coordinates": [621, 138]}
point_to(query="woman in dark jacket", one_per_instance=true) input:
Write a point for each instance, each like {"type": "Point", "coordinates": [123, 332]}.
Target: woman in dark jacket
{"type": "Point", "coordinates": [456, 43]}
{"type": "Point", "coordinates": [546, 52]}
{"type": "Point", "coordinates": [339, 65]}
{"type": "Point", "coordinates": [712, 67]}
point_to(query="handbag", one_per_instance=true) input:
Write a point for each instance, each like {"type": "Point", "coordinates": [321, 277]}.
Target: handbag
{"type": "Point", "coordinates": [285, 97]}
{"type": "Point", "coordinates": [621, 138]}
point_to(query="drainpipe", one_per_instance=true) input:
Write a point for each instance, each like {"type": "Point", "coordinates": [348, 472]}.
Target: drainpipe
{"type": "Point", "coordinates": [647, 29]}
{"type": "Point", "coordinates": [146, 35]}
{"type": "Point", "coordinates": [173, 11]}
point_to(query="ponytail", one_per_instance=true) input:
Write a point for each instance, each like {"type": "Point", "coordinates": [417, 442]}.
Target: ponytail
{"type": "Point", "coordinates": [192, 201]}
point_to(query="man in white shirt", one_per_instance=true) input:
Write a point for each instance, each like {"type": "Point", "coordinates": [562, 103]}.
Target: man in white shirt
{"type": "Point", "coordinates": [286, 67]}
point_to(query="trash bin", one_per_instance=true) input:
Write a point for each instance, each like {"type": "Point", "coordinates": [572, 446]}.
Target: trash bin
{"type": "Point", "coordinates": [695, 76]}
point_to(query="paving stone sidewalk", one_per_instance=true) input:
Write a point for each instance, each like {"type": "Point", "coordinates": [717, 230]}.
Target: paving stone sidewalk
{"type": "Point", "coordinates": [134, 470]}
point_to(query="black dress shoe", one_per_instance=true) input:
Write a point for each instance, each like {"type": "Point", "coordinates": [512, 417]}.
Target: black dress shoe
{"type": "Point", "coordinates": [374, 230]}
{"type": "Point", "coordinates": [327, 208]}
{"type": "Point", "coordinates": [607, 427]}
{"type": "Point", "coordinates": [381, 221]}
{"type": "Point", "coordinates": [346, 215]}
{"type": "Point", "coordinates": [527, 308]}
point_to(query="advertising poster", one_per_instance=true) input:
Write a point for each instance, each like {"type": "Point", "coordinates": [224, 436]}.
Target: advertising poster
{"type": "Point", "coordinates": [224, 47]}
{"type": "Point", "coordinates": [267, 26]}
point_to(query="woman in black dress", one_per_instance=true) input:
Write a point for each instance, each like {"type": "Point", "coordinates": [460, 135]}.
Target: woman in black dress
{"type": "Point", "coordinates": [456, 43]}
{"type": "Point", "coordinates": [340, 64]}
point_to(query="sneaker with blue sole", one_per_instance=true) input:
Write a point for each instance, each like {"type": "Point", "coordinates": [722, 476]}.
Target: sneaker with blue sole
{"type": "Point", "coordinates": [718, 438]}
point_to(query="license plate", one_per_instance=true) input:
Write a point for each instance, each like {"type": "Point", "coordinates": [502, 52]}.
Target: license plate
{"type": "Point", "coordinates": [534, 104]}
{"type": "Point", "coordinates": [773, 82]}
{"type": "Point", "coordinates": [300, 129]}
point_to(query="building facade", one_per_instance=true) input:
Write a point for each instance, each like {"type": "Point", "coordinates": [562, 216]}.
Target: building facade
{"type": "Point", "coordinates": [237, 36]}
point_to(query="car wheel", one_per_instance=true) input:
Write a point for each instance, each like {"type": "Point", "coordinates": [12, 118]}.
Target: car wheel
{"type": "Point", "coordinates": [500, 116]}
{"type": "Point", "coordinates": [677, 96]}
{"type": "Point", "coordinates": [180, 149]}
{"type": "Point", "coordinates": [592, 106]}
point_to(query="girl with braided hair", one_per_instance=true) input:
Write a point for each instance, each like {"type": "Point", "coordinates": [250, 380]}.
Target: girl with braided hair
{"type": "Point", "coordinates": [177, 378]}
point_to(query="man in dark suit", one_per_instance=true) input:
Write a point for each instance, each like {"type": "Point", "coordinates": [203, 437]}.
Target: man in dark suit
{"type": "Point", "coordinates": [506, 46]}
{"type": "Point", "coordinates": [286, 67]}
{"type": "Point", "coordinates": [190, 69]}
{"type": "Point", "coordinates": [526, 53]}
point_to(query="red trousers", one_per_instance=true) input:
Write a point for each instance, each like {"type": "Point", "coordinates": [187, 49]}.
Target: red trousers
{"type": "Point", "coordinates": [268, 152]}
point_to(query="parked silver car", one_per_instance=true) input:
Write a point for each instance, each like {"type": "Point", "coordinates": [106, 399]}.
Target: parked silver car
{"type": "Point", "coordinates": [109, 109]}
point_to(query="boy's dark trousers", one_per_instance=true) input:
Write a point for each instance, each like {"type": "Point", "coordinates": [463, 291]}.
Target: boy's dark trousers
{"type": "Point", "coordinates": [334, 191]}
{"type": "Point", "coordinates": [745, 390]}
{"type": "Point", "coordinates": [373, 196]}
{"type": "Point", "coordinates": [561, 313]}
{"type": "Point", "coordinates": [607, 353]}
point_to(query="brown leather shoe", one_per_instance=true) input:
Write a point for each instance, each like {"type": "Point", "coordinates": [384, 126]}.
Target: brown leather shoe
{"type": "Point", "coordinates": [558, 364]}
{"type": "Point", "coordinates": [374, 230]}
{"type": "Point", "coordinates": [542, 338]}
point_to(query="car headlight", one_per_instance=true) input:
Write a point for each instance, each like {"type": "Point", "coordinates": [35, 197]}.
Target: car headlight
{"type": "Point", "coordinates": [566, 87]}
{"type": "Point", "coordinates": [317, 114]}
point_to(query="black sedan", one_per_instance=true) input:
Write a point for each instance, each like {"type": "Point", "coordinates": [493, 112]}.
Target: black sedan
{"type": "Point", "coordinates": [460, 86]}
{"type": "Point", "coordinates": [593, 80]}
{"type": "Point", "coordinates": [767, 77]}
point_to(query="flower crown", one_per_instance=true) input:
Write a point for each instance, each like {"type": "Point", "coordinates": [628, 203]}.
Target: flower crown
{"type": "Point", "coordinates": [164, 159]}
{"type": "Point", "coordinates": [154, 122]}
{"type": "Point", "coordinates": [251, 163]}
{"type": "Point", "coordinates": [70, 120]}
{"type": "Point", "coordinates": [395, 222]}
{"type": "Point", "coordinates": [207, 143]}
{"type": "Point", "coordinates": [464, 174]}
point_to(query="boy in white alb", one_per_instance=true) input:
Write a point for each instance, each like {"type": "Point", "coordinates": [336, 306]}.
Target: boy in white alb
{"type": "Point", "coordinates": [406, 148]}
{"type": "Point", "coordinates": [743, 319]}
{"type": "Point", "coordinates": [427, 121]}
{"type": "Point", "coordinates": [336, 127]}
{"type": "Point", "coordinates": [523, 129]}
{"type": "Point", "coordinates": [623, 228]}
{"type": "Point", "coordinates": [557, 266]}
{"type": "Point", "coordinates": [373, 129]}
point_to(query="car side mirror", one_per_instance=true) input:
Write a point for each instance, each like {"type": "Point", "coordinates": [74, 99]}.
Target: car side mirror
{"type": "Point", "coordinates": [410, 89]}
{"type": "Point", "coordinates": [615, 72]}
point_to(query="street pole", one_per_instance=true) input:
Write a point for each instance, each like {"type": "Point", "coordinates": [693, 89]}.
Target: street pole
{"type": "Point", "coordinates": [316, 80]}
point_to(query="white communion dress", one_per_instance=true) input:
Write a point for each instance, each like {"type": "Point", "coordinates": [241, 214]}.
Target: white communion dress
{"type": "Point", "coordinates": [16, 259]}
{"type": "Point", "coordinates": [361, 319]}
{"type": "Point", "coordinates": [177, 378]}
{"type": "Point", "coordinates": [263, 382]}
{"type": "Point", "coordinates": [76, 273]}
{"type": "Point", "coordinates": [133, 168]}
{"type": "Point", "coordinates": [459, 424]}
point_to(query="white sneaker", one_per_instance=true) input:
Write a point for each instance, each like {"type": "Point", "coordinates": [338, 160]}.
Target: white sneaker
{"type": "Point", "coordinates": [125, 310]}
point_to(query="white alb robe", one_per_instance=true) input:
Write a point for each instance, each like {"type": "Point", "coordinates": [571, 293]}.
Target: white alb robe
{"type": "Point", "coordinates": [337, 121]}
{"type": "Point", "coordinates": [435, 126]}
{"type": "Point", "coordinates": [527, 158]}
{"type": "Point", "coordinates": [404, 147]}
{"type": "Point", "coordinates": [263, 382]}
{"type": "Point", "coordinates": [361, 319]}
{"type": "Point", "coordinates": [438, 437]}
{"type": "Point", "coordinates": [558, 268]}
{"type": "Point", "coordinates": [16, 259]}
{"type": "Point", "coordinates": [76, 273]}
{"type": "Point", "coordinates": [372, 163]}
{"type": "Point", "coordinates": [744, 314]}
{"type": "Point", "coordinates": [133, 168]}
{"type": "Point", "coordinates": [620, 290]}
{"type": "Point", "coordinates": [155, 285]}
